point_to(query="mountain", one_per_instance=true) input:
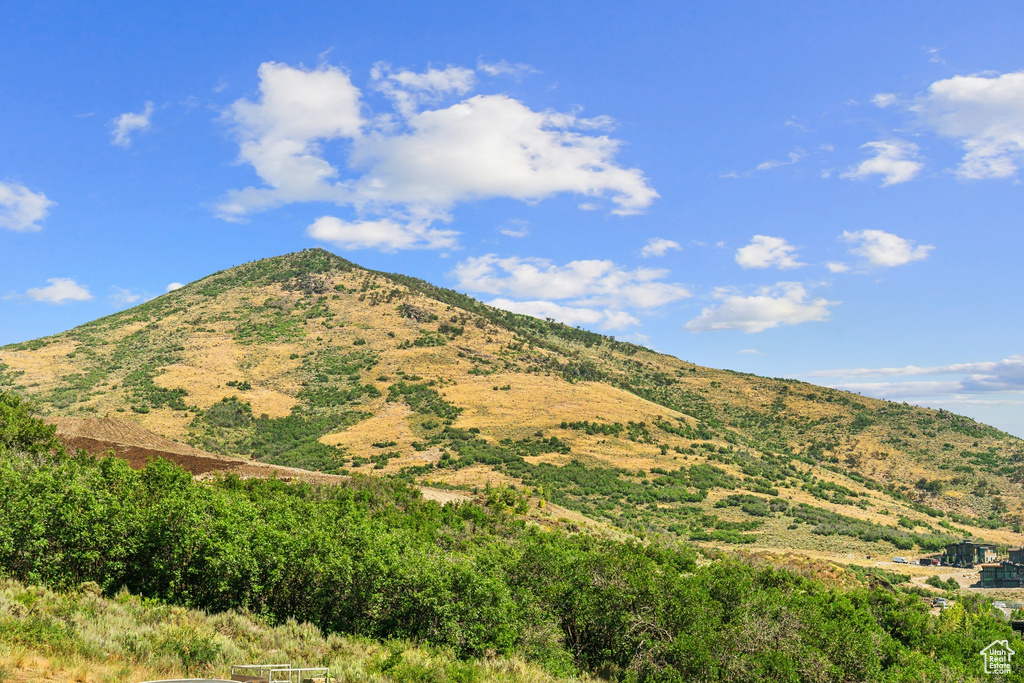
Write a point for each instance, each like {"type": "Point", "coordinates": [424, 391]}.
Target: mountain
{"type": "Point", "coordinates": [308, 360]}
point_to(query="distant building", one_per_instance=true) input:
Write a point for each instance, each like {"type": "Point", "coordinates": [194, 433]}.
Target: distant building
{"type": "Point", "coordinates": [969, 552]}
{"type": "Point", "coordinates": [1017, 555]}
{"type": "Point", "coordinates": [1005, 575]}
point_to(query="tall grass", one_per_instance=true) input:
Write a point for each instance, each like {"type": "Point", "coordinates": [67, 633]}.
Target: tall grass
{"type": "Point", "coordinates": [83, 636]}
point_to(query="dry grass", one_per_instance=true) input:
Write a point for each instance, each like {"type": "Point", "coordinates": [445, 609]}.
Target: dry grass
{"type": "Point", "coordinates": [538, 400]}
{"type": "Point", "coordinates": [126, 639]}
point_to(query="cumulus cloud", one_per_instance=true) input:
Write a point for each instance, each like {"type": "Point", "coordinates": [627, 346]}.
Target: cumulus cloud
{"type": "Point", "coordinates": [568, 315]}
{"type": "Point", "coordinates": [986, 114]}
{"type": "Point", "coordinates": [767, 252]}
{"type": "Point", "coordinates": [896, 160]}
{"type": "Point", "coordinates": [21, 209]}
{"type": "Point", "coordinates": [885, 249]}
{"type": "Point", "coordinates": [409, 89]}
{"type": "Point", "coordinates": [384, 234]}
{"type": "Point", "coordinates": [174, 285]}
{"type": "Point", "coordinates": [884, 99]}
{"type": "Point", "coordinates": [59, 290]}
{"type": "Point", "coordinates": [837, 267]}
{"type": "Point", "coordinates": [658, 246]}
{"type": "Point", "coordinates": [785, 303]}
{"type": "Point", "coordinates": [281, 136]}
{"type": "Point", "coordinates": [413, 166]}
{"type": "Point", "coordinates": [492, 146]}
{"type": "Point", "coordinates": [591, 282]}
{"type": "Point", "coordinates": [124, 125]}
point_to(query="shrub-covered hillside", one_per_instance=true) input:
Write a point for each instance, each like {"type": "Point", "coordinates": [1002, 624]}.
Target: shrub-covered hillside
{"type": "Point", "coordinates": [373, 559]}
{"type": "Point", "coordinates": [309, 360]}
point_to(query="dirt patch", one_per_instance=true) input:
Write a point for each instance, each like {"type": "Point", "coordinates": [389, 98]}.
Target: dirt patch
{"type": "Point", "coordinates": [131, 442]}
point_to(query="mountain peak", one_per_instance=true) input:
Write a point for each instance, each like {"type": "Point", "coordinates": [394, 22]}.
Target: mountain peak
{"type": "Point", "coordinates": [309, 360]}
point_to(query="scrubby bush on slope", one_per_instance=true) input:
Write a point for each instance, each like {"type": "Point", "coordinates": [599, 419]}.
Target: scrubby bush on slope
{"type": "Point", "coordinates": [374, 559]}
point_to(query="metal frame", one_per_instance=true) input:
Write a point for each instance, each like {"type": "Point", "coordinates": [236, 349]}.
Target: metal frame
{"type": "Point", "coordinates": [291, 675]}
{"type": "Point", "coordinates": [281, 673]}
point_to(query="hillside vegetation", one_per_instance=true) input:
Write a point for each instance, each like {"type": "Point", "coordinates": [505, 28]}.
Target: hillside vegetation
{"type": "Point", "coordinates": [308, 360]}
{"type": "Point", "coordinates": [100, 558]}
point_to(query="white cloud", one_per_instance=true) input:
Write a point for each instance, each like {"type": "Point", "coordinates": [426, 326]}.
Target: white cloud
{"type": "Point", "coordinates": [503, 68]}
{"type": "Point", "coordinates": [933, 54]}
{"type": "Point", "coordinates": [21, 209]}
{"type": "Point", "coordinates": [586, 283]}
{"type": "Point", "coordinates": [786, 303]}
{"type": "Point", "coordinates": [124, 125]}
{"type": "Point", "coordinates": [900, 390]}
{"type": "Point", "coordinates": [837, 267]}
{"type": "Point", "coordinates": [1002, 380]}
{"type": "Point", "coordinates": [384, 234]}
{"type": "Point", "coordinates": [280, 136]}
{"type": "Point", "coordinates": [894, 159]}
{"type": "Point", "coordinates": [414, 168]}
{"type": "Point", "coordinates": [174, 285]}
{"type": "Point", "coordinates": [766, 252]}
{"type": "Point", "coordinates": [882, 248]}
{"type": "Point", "coordinates": [409, 89]}
{"type": "Point", "coordinates": [793, 157]}
{"type": "Point", "coordinates": [125, 297]}
{"type": "Point", "coordinates": [569, 315]}
{"type": "Point", "coordinates": [986, 114]}
{"type": "Point", "coordinates": [492, 146]}
{"type": "Point", "coordinates": [658, 246]}
{"type": "Point", "coordinates": [753, 352]}
{"type": "Point", "coordinates": [60, 290]}
{"type": "Point", "coordinates": [884, 99]}
{"type": "Point", "coordinates": [1002, 375]}
{"type": "Point", "coordinates": [515, 228]}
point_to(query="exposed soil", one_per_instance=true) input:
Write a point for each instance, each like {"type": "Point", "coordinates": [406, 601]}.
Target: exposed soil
{"type": "Point", "coordinates": [137, 445]}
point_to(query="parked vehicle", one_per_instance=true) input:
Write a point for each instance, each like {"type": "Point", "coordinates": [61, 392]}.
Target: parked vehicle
{"type": "Point", "coordinates": [942, 602]}
{"type": "Point", "coordinates": [928, 562]}
{"type": "Point", "coordinates": [899, 560]}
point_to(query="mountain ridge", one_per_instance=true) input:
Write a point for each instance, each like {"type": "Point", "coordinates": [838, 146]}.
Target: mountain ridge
{"type": "Point", "coordinates": [310, 360]}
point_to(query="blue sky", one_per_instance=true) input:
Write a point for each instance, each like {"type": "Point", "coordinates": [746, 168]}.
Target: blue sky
{"type": "Point", "coordinates": [822, 191]}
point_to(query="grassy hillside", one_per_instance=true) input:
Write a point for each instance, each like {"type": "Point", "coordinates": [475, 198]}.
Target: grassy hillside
{"type": "Point", "coordinates": [311, 361]}
{"type": "Point", "coordinates": [111, 573]}
{"type": "Point", "coordinates": [81, 635]}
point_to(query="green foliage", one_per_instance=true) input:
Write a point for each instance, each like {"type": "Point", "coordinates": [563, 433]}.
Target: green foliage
{"type": "Point", "coordinates": [374, 559]}
{"type": "Point", "coordinates": [229, 427]}
{"type": "Point", "coordinates": [268, 324]}
{"type": "Point", "coordinates": [424, 399]}
{"type": "Point", "coordinates": [949, 584]}
{"type": "Point", "coordinates": [827, 523]}
{"type": "Point", "coordinates": [330, 396]}
{"type": "Point", "coordinates": [8, 376]}
{"type": "Point", "coordinates": [195, 649]}
{"type": "Point", "coordinates": [877, 573]}
{"type": "Point", "coordinates": [230, 413]}
{"type": "Point", "coordinates": [20, 429]}
{"type": "Point", "coordinates": [588, 427]}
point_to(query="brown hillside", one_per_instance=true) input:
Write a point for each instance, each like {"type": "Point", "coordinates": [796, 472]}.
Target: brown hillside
{"type": "Point", "coordinates": [312, 362]}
